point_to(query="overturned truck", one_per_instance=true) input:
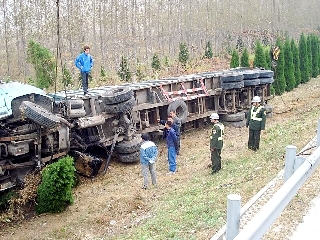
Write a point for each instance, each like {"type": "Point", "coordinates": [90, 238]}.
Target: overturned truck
{"type": "Point", "coordinates": [38, 128]}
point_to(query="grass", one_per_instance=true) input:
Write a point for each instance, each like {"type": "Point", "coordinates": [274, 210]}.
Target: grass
{"type": "Point", "coordinates": [199, 208]}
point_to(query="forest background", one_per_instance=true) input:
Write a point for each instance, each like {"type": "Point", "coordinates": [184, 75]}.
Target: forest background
{"type": "Point", "coordinates": [138, 29]}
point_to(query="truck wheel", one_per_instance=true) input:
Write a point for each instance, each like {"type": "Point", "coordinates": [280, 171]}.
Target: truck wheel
{"type": "Point", "coordinates": [39, 115]}
{"type": "Point", "coordinates": [236, 117]}
{"type": "Point", "coordinates": [251, 82]}
{"type": "Point", "coordinates": [129, 146]}
{"type": "Point", "coordinates": [120, 107]}
{"type": "Point", "coordinates": [231, 77]}
{"type": "Point", "coordinates": [129, 157]}
{"type": "Point", "coordinates": [117, 95]}
{"type": "Point", "coordinates": [266, 74]}
{"type": "Point", "coordinates": [232, 85]}
{"type": "Point", "coordinates": [181, 109]}
{"type": "Point", "coordinates": [266, 80]}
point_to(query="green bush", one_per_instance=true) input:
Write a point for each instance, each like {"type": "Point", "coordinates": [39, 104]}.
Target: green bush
{"type": "Point", "coordinates": [66, 76]}
{"type": "Point", "coordinates": [55, 190]}
{"type": "Point", "coordinates": [288, 66]}
{"type": "Point", "coordinates": [183, 54]}
{"type": "Point", "coordinates": [208, 51]}
{"type": "Point", "coordinates": [234, 59]}
{"type": "Point", "coordinates": [296, 62]}
{"type": "Point", "coordinates": [259, 56]}
{"type": "Point", "coordinates": [303, 49]}
{"type": "Point", "coordinates": [124, 72]}
{"type": "Point", "coordinates": [244, 60]}
{"type": "Point", "coordinates": [156, 65]}
{"type": "Point", "coordinates": [279, 83]}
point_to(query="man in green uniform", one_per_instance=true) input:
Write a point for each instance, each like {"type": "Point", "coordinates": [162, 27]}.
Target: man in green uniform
{"type": "Point", "coordinates": [216, 142]}
{"type": "Point", "coordinates": [256, 121]}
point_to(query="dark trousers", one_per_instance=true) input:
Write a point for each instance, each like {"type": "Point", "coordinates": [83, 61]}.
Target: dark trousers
{"type": "Point", "coordinates": [216, 160]}
{"type": "Point", "coordinates": [254, 139]}
{"type": "Point", "coordinates": [85, 77]}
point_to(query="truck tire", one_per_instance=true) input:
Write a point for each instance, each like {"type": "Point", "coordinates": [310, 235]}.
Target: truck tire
{"type": "Point", "coordinates": [236, 117]}
{"type": "Point", "coordinates": [232, 85]}
{"type": "Point", "coordinates": [117, 95]}
{"type": "Point", "coordinates": [266, 74]}
{"type": "Point", "coordinates": [251, 82]}
{"type": "Point", "coordinates": [129, 157]}
{"type": "Point", "coordinates": [181, 109]}
{"type": "Point", "coordinates": [122, 107]}
{"type": "Point", "coordinates": [129, 146]}
{"type": "Point", "coordinates": [266, 80]}
{"type": "Point", "coordinates": [39, 115]}
{"type": "Point", "coordinates": [231, 77]}
{"type": "Point", "coordinates": [250, 74]}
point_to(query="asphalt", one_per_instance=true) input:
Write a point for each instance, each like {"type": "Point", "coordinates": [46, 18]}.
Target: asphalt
{"type": "Point", "coordinates": [309, 229]}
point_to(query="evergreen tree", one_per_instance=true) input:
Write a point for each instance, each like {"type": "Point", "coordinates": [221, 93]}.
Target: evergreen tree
{"type": "Point", "coordinates": [234, 63]}
{"type": "Point", "coordinates": [183, 54]}
{"type": "Point", "coordinates": [279, 83]}
{"type": "Point", "coordinates": [268, 58]}
{"type": "Point", "coordinates": [156, 65]}
{"type": "Point", "coordinates": [66, 76]}
{"type": "Point", "coordinates": [43, 63]}
{"type": "Point", "coordinates": [208, 51]}
{"type": "Point", "coordinates": [315, 55]}
{"type": "Point", "coordinates": [309, 54]}
{"type": "Point", "coordinates": [244, 60]}
{"type": "Point", "coordinates": [259, 56]}
{"type": "Point", "coordinates": [102, 72]}
{"type": "Point", "coordinates": [305, 76]}
{"type": "Point", "coordinates": [124, 72]}
{"type": "Point", "coordinates": [288, 66]}
{"type": "Point", "coordinates": [296, 62]}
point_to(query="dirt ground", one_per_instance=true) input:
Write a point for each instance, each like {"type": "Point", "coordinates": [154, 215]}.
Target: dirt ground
{"type": "Point", "coordinates": [109, 204]}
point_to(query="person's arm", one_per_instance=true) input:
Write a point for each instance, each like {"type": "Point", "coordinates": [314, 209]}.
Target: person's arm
{"type": "Point", "coordinates": [264, 117]}
{"type": "Point", "coordinates": [77, 62]}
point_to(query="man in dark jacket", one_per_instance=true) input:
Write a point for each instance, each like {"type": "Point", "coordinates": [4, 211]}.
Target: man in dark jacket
{"type": "Point", "coordinates": [256, 121]}
{"type": "Point", "coordinates": [171, 138]}
{"type": "Point", "coordinates": [216, 142]}
{"type": "Point", "coordinates": [176, 129]}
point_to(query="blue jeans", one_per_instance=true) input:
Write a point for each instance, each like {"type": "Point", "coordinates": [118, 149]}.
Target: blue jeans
{"type": "Point", "coordinates": [172, 155]}
{"type": "Point", "coordinates": [85, 82]}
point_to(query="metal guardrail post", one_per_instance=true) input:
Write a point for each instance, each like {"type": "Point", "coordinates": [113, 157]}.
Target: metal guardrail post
{"type": "Point", "coordinates": [318, 134]}
{"type": "Point", "coordinates": [298, 161]}
{"type": "Point", "coordinates": [289, 164]}
{"type": "Point", "coordinates": [233, 216]}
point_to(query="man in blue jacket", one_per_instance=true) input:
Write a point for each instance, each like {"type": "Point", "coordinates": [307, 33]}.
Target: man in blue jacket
{"type": "Point", "coordinates": [85, 63]}
{"type": "Point", "coordinates": [148, 156]}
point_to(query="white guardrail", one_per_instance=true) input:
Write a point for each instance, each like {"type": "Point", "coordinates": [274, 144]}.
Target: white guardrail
{"type": "Point", "coordinates": [297, 170]}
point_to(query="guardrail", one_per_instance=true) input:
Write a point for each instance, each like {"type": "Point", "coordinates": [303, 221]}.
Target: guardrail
{"type": "Point", "coordinates": [297, 171]}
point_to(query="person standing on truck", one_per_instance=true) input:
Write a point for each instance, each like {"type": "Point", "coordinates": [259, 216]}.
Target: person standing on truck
{"type": "Point", "coordinates": [148, 156]}
{"type": "Point", "coordinates": [256, 121]}
{"type": "Point", "coordinates": [177, 122]}
{"type": "Point", "coordinates": [85, 63]}
{"type": "Point", "coordinates": [171, 138]}
{"type": "Point", "coordinates": [216, 142]}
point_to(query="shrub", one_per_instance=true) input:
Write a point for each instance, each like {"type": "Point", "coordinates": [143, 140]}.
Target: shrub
{"type": "Point", "coordinates": [156, 65]}
{"type": "Point", "coordinates": [259, 56]}
{"type": "Point", "coordinates": [234, 59]}
{"type": "Point", "coordinates": [288, 66]}
{"type": "Point", "coordinates": [305, 75]}
{"type": "Point", "coordinates": [208, 51]}
{"type": "Point", "coordinates": [244, 60]}
{"type": "Point", "coordinates": [183, 54]}
{"type": "Point", "coordinates": [296, 62]}
{"type": "Point", "coordinates": [124, 72]}
{"type": "Point", "coordinates": [55, 190]}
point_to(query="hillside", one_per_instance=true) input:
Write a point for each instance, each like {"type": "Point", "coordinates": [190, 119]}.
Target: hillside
{"type": "Point", "coordinates": [190, 204]}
